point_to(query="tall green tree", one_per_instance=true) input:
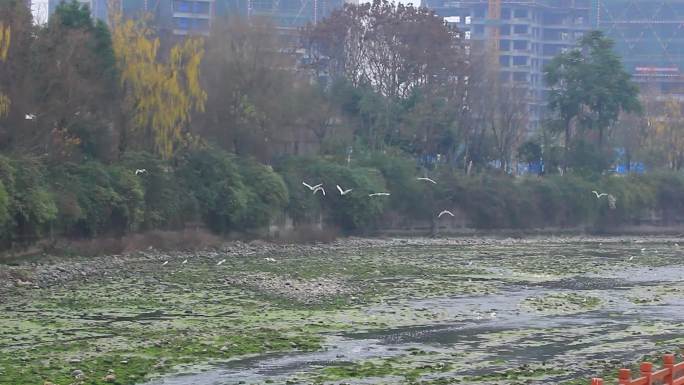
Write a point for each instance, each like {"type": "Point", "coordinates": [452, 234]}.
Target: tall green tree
{"type": "Point", "coordinates": [16, 36]}
{"type": "Point", "coordinates": [589, 87]}
{"type": "Point", "coordinates": [75, 84]}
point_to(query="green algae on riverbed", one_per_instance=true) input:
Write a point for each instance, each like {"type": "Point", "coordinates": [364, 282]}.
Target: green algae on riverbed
{"type": "Point", "coordinates": [139, 318]}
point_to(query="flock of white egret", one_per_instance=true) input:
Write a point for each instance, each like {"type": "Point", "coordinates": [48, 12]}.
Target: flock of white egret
{"type": "Point", "coordinates": [319, 187]}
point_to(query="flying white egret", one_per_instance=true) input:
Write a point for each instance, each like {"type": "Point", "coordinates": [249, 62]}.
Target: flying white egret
{"type": "Point", "coordinates": [312, 188]}
{"type": "Point", "coordinates": [184, 262]}
{"type": "Point", "coordinates": [30, 116]}
{"type": "Point", "coordinates": [632, 257]}
{"type": "Point", "coordinates": [165, 263]}
{"type": "Point", "coordinates": [381, 194]}
{"type": "Point", "coordinates": [343, 192]}
{"type": "Point", "coordinates": [270, 259]}
{"type": "Point", "coordinates": [599, 195]}
{"type": "Point", "coordinates": [220, 262]}
{"type": "Point", "coordinates": [493, 314]}
{"type": "Point", "coordinates": [445, 212]}
{"type": "Point", "coordinates": [427, 180]}
{"type": "Point", "coordinates": [140, 171]}
{"type": "Point", "coordinates": [317, 189]}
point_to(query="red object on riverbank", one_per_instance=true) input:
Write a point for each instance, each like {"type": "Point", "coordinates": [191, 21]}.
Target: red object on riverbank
{"type": "Point", "coordinates": [670, 374]}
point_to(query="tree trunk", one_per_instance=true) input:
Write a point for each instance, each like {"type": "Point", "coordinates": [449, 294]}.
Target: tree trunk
{"type": "Point", "coordinates": [566, 147]}
{"type": "Point", "coordinates": [628, 161]}
{"type": "Point", "coordinates": [433, 227]}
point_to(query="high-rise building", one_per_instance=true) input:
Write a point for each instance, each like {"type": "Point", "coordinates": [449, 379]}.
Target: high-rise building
{"type": "Point", "coordinates": [649, 36]}
{"type": "Point", "coordinates": [528, 35]}
{"type": "Point", "coordinates": [174, 17]}
{"type": "Point", "coordinates": [191, 17]}
{"type": "Point", "coordinates": [292, 13]}
{"type": "Point", "coordinates": [42, 9]}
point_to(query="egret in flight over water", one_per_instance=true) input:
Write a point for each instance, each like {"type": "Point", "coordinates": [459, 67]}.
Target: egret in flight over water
{"type": "Point", "coordinates": [342, 191]}
{"type": "Point", "coordinates": [445, 212]}
{"type": "Point", "coordinates": [312, 188]}
{"type": "Point", "coordinates": [380, 194]}
{"type": "Point", "coordinates": [427, 180]}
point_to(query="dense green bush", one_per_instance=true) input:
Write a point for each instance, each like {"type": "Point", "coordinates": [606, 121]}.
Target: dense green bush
{"type": "Point", "coordinates": [95, 199]}
{"type": "Point", "coordinates": [354, 211]}
{"type": "Point", "coordinates": [267, 194]}
{"type": "Point", "coordinates": [27, 207]}
{"type": "Point", "coordinates": [165, 201]}
{"type": "Point", "coordinates": [212, 179]}
{"type": "Point", "coordinates": [230, 194]}
{"type": "Point", "coordinates": [414, 198]}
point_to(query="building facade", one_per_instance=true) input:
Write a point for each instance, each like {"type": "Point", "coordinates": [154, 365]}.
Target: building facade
{"type": "Point", "coordinates": [649, 36]}
{"type": "Point", "coordinates": [42, 9]}
{"type": "Point", "coordinates": [529, 34]}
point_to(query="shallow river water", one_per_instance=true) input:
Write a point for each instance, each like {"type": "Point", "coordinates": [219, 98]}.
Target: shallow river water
{"type": "Point", "coordinates": [495, 328]}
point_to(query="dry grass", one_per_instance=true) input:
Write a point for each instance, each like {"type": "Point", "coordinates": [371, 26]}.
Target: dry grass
{"type": "Point", "coordinates": [189, 239]}
{"type": "Point", "coordinates": [306, 234]}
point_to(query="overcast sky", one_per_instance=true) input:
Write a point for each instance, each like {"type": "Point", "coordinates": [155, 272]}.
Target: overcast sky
{"type": "Point", "coordinates": [39, 9]}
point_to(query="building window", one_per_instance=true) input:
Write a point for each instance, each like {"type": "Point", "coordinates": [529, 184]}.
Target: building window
{"type": "Point", "coordinates": [468, 19]}
{"type": "Point", "coordinates": [520, 44]}
{"type": "Point", "coordinates": [520, 29]}
{"type": "Point", "coordinates": [520, 14]}
{"type": "Point", "coordinates": [201, 7]}
{"type": "Point", "coordinates": [467, 35]}
{"type": "Point", "coordinates": [182, 23]}
{"type": "Point", "coordinates": [504, 45]}
{"type": "Point", "coordinates": [182, 6]}
{"type": "Point", "coordinates": [200, 25]}
{"type": "Point", "coordinates": [519, 60]}
{"type": "Point", "coordinates": [505, 14]}
{"type": "Point", "coordinates": [519, 76]}
{"type": "Point", "coordinates": [503, 61]}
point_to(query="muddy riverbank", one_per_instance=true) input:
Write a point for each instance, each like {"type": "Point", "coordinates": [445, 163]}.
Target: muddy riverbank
{"type": "Point", "coordinates": [358, 311]}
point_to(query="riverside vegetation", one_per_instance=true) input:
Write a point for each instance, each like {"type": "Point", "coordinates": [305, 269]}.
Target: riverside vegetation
{"type": "Point", "coordinates": [230, 194]}
{"type": "Point", "coordinates": [227, 144]}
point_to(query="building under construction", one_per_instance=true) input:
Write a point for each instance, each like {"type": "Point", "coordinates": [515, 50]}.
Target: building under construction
{"type": "Point", "coordinates": [649, 36]}
{"type": "Point", "coordinates": [195, 16]}
{"type": "Point", "coordinates": [292, 13]}
{"type": "Point", "coordinates": [525, 36]}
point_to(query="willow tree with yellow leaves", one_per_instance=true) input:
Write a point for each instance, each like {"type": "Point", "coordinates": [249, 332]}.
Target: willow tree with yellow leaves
{"type": "Point", "coordinates": [160, 94]}
{"type": "Point", "coordinates": [5, 36]}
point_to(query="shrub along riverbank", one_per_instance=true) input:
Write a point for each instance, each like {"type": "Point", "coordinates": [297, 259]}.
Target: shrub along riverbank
{"type": "Point", "coordinates": [230, 194]}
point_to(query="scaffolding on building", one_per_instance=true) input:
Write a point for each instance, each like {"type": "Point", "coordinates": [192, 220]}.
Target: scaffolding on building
{"type": "Point", "coordinates": [292, 13]}
{"type": "Point", "coordinates": [649, 36]}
